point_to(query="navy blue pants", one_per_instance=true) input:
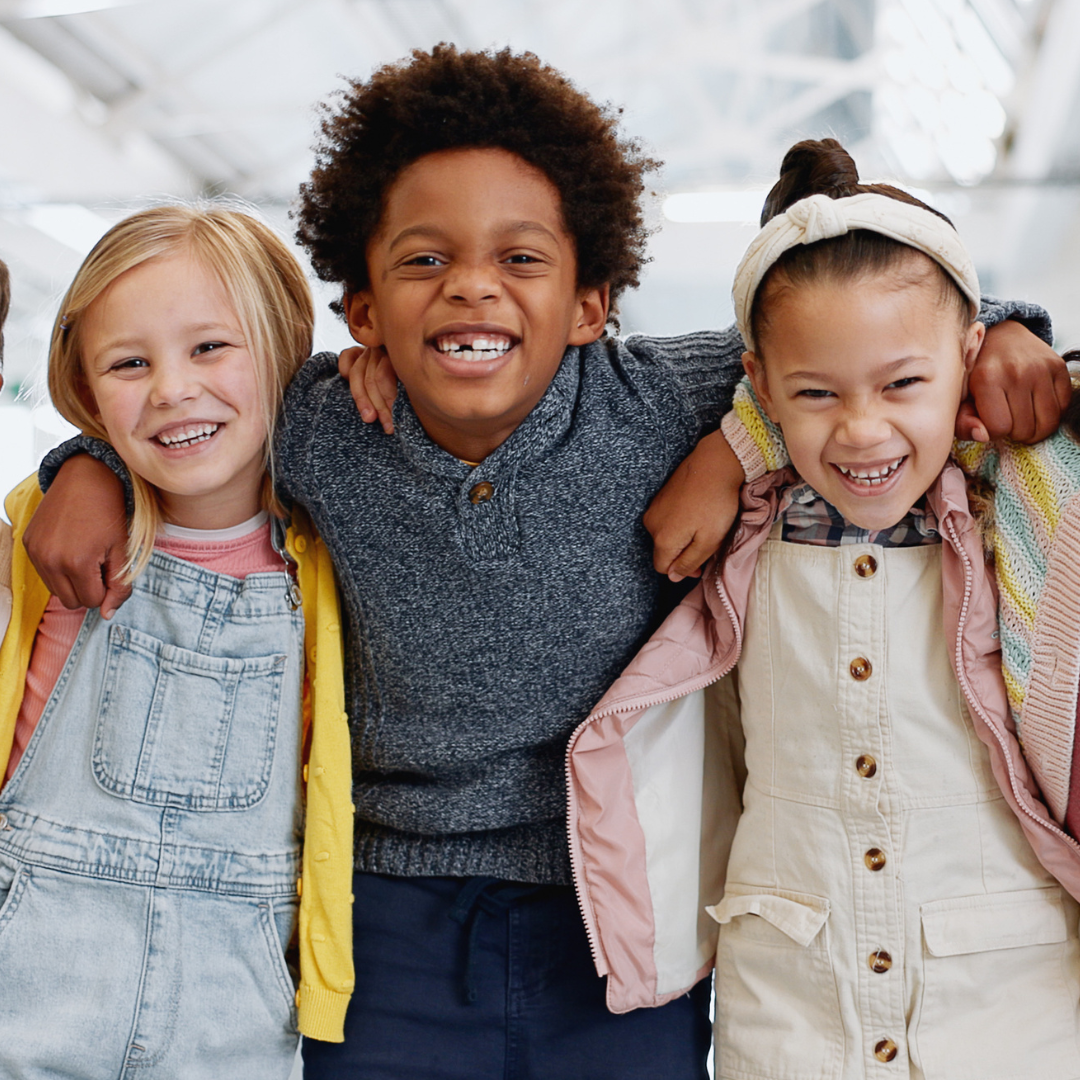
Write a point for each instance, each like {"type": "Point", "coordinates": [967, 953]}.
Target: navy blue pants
{"type": "Point", "coordinates": [477, 979]}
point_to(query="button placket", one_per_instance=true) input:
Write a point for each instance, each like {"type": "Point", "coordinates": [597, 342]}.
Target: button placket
{"type": "Point", "coordinates": [878, 935]}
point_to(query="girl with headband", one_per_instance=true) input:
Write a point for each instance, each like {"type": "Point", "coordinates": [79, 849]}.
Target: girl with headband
{"type": "Point", "coordinates": [883, 867]}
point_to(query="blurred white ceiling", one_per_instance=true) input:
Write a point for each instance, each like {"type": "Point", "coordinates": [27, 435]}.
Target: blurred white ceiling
{"type": "Point", "coordinates": [105, 105]}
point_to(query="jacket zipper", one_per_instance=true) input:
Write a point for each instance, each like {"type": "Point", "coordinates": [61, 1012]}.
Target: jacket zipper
{"type": "Point", "coordinates": [961, 675]}
{"type": "Point", "coordinates": [580, 887]}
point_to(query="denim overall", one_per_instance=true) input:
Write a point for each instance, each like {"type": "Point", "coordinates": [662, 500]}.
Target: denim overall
{"type": "Point", "coordinates": [149, 841]}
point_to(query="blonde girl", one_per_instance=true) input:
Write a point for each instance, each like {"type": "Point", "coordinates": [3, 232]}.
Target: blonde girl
{"type": "Point", "coordinates": [152, 814]}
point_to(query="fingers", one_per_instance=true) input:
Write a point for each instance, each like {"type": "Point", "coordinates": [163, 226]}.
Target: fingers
{"type": "Point", "coordinates": [116, 589]}
{"type": "Point", "coordinates": [969, 428]}
{"type": "Point", "coordinates": [380, 382]}
{"type": "Point", "coordinates": [998, 411]}
{"type": "Point", "coordinates": [347, 358]}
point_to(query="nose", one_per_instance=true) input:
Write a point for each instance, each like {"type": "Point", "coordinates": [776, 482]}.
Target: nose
{"type": "Point", "coordinates": [862, 427]}
{"type": "Point", "coordinates": [472, 283]}
{"type": "Point", "coordinates": [172, 383]}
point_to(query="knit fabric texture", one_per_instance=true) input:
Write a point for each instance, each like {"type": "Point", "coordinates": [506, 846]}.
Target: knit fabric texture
{"type": "Point", "coordinates": [489, 607]}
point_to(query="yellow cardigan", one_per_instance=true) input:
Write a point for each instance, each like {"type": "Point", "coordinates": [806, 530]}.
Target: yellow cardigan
{"type": "Point", "coordinates": [326, 967]}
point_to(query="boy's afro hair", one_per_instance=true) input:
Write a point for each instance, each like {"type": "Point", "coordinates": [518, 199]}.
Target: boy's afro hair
{"type": "Point", "coordinates": [446, 100]}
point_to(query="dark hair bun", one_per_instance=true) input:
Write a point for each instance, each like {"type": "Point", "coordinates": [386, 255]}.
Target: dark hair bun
{"type": "Point", "coordinates": [811, 167]}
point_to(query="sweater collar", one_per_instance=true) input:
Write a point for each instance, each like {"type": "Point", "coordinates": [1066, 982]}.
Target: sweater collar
{"type": "Point", "coordinates": [541, 430]}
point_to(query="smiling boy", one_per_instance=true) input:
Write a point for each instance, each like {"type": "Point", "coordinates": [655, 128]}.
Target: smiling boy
{"type": "Point", "coordinates": [482, 218]}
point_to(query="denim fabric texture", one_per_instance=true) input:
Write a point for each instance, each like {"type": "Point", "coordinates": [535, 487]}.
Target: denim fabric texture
{"type": "Point", "coordinates": [149, 841]}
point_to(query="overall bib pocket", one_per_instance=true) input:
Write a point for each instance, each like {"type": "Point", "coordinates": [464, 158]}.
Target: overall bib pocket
{"type": "Point", "coordinates": [777, 1009]}
{"type": "Point", "coordinates": [1003, 969]}
{"type": "Point", "coordinates": [206, 726]}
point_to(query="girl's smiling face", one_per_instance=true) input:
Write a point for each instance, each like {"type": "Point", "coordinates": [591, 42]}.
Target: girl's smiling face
{"type": "Point", "coordinates": [865, 377]}
{"type": "Point", "coordinates": [174, 385]}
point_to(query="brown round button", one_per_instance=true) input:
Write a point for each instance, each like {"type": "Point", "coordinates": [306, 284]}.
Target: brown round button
{"type": "Point", "coordinates": [866, 566]}
{"type": "Point", "coordinates": [885, 1050]}
{"type": "Point", "coordinates": [865, 765]}
{"type": "Point", "coordinates": [860, 668]}
{"type": "Point", "coordinates": [874, 859]}
{"type": "Point", "coordinates": [880, 962]}
{"type": "Point", "coordinates": [481, 492]}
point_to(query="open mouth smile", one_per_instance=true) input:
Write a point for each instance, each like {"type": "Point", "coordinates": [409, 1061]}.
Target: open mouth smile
{"type": "Point", "coordinates": [871, 477]}
{"type": "Point", "coordinates": [476, 347]}
{"type": "Point", "coordinates": [182, 437]}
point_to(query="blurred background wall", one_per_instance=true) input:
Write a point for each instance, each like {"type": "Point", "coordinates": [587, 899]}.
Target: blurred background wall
{"type": "Point", "coordinates": [974, 104]}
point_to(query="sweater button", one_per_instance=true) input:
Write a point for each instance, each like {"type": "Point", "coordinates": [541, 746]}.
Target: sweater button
{"type": "Point", "coordinates": [866, 566]}
{"type": "Point", "coordinates": [880, 962]}
{"type": "Point", "coordinates": [481, 493]}
{"type": "Point", "coordinates": [885, 1050]}
{"type": "Point", "coordinates": [874, 859]}
{"type": "Point", "coordinates": [865, 766]}
{"type": "Point", "coordinates": [860, 668]}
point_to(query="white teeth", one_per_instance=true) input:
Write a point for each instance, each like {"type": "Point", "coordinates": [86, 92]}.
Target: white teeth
{"type": "Point", "coordinates": [480, 348]}
{"type": "Point", "coordinates": [872, 477]}
{"type": "Point", "coordinates": [188, 436]}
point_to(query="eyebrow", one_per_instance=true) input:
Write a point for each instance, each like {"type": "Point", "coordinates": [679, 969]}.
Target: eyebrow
{"type": "Point", "coordinates": [196, 328]}
{"type": "Point", "coordinates": [886, 369]}
{"type": "Point", "coordinates": [437, 233]}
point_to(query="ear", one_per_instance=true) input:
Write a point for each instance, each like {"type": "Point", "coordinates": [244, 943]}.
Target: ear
{"type": "Point", "coordinates": [361, 317]}
{"type": "Point", "coordinates": [755, 369]}
{"type": "Point", "coordinates": [590, 316]}
{"type": "Point", "coordinates": [971, 343]}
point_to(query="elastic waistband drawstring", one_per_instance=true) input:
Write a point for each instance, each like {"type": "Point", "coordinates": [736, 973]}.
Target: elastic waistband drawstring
{"type": "Point", "coordinates": [492, 896]}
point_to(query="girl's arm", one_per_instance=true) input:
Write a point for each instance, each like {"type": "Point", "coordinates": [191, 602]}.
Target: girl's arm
{"type": "Point", "coordinates": [1019, 393]}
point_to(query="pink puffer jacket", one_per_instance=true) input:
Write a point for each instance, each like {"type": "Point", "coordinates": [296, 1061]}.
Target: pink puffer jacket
{"type": "Point", "coordinates": [655, 772]}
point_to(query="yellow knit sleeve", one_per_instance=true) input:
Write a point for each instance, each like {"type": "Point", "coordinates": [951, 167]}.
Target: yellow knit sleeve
{"type": "Point", "coordinates": [326, 960]}
{"type": "Point", "coordinates": [28, 599]}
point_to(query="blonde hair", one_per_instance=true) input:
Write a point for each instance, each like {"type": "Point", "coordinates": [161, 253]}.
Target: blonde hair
{"type": "Point", "coordinates": [265, 286]}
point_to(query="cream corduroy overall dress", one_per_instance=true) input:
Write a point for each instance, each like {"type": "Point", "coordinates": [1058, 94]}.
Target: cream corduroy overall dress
{"type": "Point", "coordinates": [883, 914]}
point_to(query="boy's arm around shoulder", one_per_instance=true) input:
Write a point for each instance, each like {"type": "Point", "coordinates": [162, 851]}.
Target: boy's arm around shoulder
{"type": "Point", "coordinates": [704, 367]}
{"type": "Point", "coordinates": [302, 415]}
{"type": "Point", "coordinates": [326, 964]}
{"type": "Point", "coordinates": [28, 599]}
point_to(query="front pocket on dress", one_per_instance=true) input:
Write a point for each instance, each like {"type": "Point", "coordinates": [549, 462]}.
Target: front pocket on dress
{"type": "Point", "coordinates": [777, 1009]}
{"type": "Point", "coordinates": [179, 728]}
{"type": "Point", "coordinates": [1001, 988]}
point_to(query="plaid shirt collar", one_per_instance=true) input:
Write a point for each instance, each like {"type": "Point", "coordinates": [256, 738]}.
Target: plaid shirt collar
{"type": "Point", "coordinates": [808, 519]}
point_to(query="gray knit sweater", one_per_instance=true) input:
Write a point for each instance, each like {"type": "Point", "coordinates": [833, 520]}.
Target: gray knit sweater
{"type": "Point", "coordinates": [480, 631]}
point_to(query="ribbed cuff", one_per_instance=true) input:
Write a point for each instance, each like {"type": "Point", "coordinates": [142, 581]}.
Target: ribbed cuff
{"type": "Point", "coordinates": [322, 1014]}
{"type": "Point", "coordinates": [96, 448]}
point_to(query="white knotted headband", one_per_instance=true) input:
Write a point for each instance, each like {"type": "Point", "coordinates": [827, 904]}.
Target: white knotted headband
{"type": "Point", "coordinates": [818, 217]}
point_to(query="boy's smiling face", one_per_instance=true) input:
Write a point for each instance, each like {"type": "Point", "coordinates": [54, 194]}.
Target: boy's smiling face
{"type": "Point", "coordinates": [865, 379]}
{"type": "Point", "coordinates": [474, 294]}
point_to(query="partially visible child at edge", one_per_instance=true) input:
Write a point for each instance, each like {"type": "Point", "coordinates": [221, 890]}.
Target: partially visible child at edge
{"type": "Point", "coordinates": [482, 217]}
{"type": "Point", "coordinates": [150, 818]}
{"type": "Point", "coordinates": [889, 896]}
{"type": "Point", "coordinates": [5, 529]}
